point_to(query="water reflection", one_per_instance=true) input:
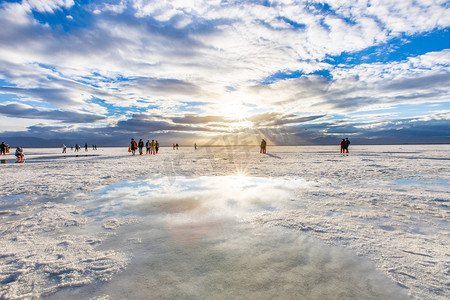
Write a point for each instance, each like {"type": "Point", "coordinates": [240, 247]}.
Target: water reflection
{"type": "Point", "coordinates": [225, 195]}
{"type": "Point", "coordinates": [191, 243]}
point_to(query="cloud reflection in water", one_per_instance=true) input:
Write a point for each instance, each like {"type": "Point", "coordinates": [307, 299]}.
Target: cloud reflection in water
{"type": "Point", "coordinates": [195, 245]}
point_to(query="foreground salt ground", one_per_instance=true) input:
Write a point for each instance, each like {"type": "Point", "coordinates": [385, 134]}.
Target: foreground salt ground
{"type": "Point", "coordinates": [388, 204]}
{"type": "Point", "coordinates": [186, 239]}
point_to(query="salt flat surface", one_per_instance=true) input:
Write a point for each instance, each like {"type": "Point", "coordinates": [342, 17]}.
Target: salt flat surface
{"type": "Point", "coordinates": [106, 223]}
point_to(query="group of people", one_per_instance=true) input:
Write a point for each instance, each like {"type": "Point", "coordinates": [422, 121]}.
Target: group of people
{"type": "Point", "coordinates": [263, 146]}
{"type": "Point", "coordinates": [4, 148]}
{"type": "Point", "coordinates": [77, 148]}
{"type": "Point", "coordinates": [344, 146]}
{"type": "Point", "coordinates": [151, 147]}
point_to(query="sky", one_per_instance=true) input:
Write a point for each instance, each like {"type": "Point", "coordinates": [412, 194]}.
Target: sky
{"type": "Point", "coordinates": [219, 72]}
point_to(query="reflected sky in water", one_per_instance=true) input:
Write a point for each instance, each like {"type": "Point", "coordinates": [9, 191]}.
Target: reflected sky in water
{"type": "Point", "coordinates": [190, 240]}
{"type": "Point", "coordinates": [220, 196]}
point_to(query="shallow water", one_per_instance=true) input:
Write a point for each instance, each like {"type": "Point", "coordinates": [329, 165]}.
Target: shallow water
{"type": "Point", "coordinates": [431, 182]}
{"type": "Point", "coordinates": [187, 238]}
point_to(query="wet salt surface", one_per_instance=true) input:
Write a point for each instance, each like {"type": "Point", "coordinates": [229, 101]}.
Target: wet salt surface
{"type": "Point", "coordinates": [422, 183]}
{"type": "Point", "coordinates": [358, 202]}
{"type": "Point", "coordinates": [188, 239]}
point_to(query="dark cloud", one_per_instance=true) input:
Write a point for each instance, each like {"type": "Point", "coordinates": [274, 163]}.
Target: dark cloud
{"type": "Point", "coordinates": [395, 131]}
{"type": "Point", "coordinates": [196, 119]}
{"type": "Point", "coordinates": [261, 120]}
{"type": "Point", "coordinates": [56, 97]}
{"type": "Point", "coordinates": [22, 111]}
{"type": "Point", "coordinates": [350, 103]}
{"type": "Point", "coordinates": [265, 117]}
{"type": "Point", "coordinates": [421, 82]}
{"type": "Point", "coordinates": [146, 124]}
{"type": "Point", "coordinates": [278, 119]}
{"type": "Point", "coordinates": [170, 86]}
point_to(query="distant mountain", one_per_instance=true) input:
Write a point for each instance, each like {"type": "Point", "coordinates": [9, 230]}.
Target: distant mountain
{"type": "Point", "coordinates": [31, 142]}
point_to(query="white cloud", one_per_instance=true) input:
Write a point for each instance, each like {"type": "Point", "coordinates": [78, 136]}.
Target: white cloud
{"type": "Point", "coordinates": [48, 6]}
{"type": "Point", "coordinates": [15, 13]}
{"type": "Point", "coordinates": [184, 51]}
{"type": "Point", "coordinates": [118, 8]}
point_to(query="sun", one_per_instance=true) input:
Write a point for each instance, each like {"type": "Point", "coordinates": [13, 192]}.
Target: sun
{"type": "Point", "coordinates": [241, 172]}
{"type": "Point", "coordinates": [237, 112]}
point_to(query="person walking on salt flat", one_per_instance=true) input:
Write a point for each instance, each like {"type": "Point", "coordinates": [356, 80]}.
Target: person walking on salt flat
{"type": "Point", "coordinates": [147, 147]}
{"type": "Point", "coordinates": [343, 146]}
{"type": "Point", "coordinates": [140, 146]}
{"type": "Point", "coordinates": [156, 147]}
{"type": "Point", "coordinates": [152, 147]}
{"type": "Point", "coordinates": [133, 146]}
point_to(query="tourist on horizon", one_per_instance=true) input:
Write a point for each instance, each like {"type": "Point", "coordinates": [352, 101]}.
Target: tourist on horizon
{"type": "Point", "coordinates": [173, 146]}
{"type": "Point", "coordinates": [3, 148]}
{"type": "Point", "coordinates": [147, 147]}
{"type": "Point", "coordinates": [195, 146]}
{"type": "Point", "coordinates": [152, 147]}
{"type": "Point", "coordinates": [347, 141]}
{"type": "Point", "coordinates": [64, 148]}
{"type": "Point", "coordinates": [343, 146]}
{"type": "Point", "coordinates": [176, 145]}
{"type": "Point", "coordinates": [140, 146]}
{"type": "Point", "coordinates": [156, 147]}
{"type": "Point", "coordinates": [263, 146]}
{"type": "Point", "coordinates": [133, 146]}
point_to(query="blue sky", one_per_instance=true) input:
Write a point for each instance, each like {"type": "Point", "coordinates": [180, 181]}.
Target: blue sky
{"type": "Point", "coordinates": [211, 72]}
